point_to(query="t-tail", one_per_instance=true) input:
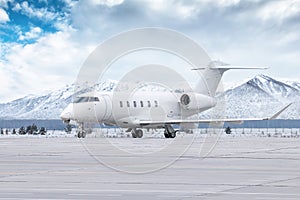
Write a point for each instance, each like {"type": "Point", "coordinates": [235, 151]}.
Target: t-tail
{"type": "Point", "coordinates": [212, 75]}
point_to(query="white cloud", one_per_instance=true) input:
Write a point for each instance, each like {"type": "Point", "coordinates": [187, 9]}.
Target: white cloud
{"type": "Point", "coordinates": [70, 3]}
{"type": "Point", "coordinates": [179, 9]}
{"type": "Point", "coordinates": [3, 49]}
{"type": "Point", "coordinates": [288, 38]}
{"type": "Point", "coordinates": [35, 32]}
{"type": "Point", "coordinates": [109, 3]}
{"type": "Point", "coordinates": [3, 16]}
{"type": "Point", "coordinates": [6, 84]}
{"type": "Point", "coordinates": [31, 11]}
{"type": "Point", "coordinates": [280, 10]}
{"type": "Point", "coordinates": [228, 2]}
{"type": "Point", "coordinates": [17, 7]}
{"type": "Point", "coordinates": [50, 63]}
{"type": "Point", "coordinates": [232, 30]}
{"type": "Point", "coordinates": [4, 3]}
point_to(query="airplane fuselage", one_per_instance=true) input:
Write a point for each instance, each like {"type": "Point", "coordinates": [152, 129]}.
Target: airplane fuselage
{"type": "Point", "coordinates": [120, 109]}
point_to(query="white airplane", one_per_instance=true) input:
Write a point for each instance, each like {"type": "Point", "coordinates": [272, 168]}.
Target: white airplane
{"type": "Point", "coordinates": [152, 109]}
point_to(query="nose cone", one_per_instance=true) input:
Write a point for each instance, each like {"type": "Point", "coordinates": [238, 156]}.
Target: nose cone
{"type": "Point", "coordinates": [67, 113]}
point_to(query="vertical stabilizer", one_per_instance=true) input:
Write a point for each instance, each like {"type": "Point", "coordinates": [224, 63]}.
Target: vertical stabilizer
{"type": "Point", "coordinates": [210, 79]}
{"type": "Point", "coordinates": [212, 75]}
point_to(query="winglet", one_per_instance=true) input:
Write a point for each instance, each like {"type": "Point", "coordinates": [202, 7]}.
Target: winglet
{"type": "Point", "coordinates": [279, 112]}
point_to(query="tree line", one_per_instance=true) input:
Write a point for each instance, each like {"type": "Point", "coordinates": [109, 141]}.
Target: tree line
{"type": "Point", "coordinates": [30, 130]}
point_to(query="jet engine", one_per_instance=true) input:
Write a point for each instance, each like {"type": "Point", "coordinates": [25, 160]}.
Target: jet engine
{"type": "Point", "coordinates": [196, 101]}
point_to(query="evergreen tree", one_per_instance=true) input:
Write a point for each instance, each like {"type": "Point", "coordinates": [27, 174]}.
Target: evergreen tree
{"type": "Point", "coordinates": [228, 130]}
{"type": "Point", "coordinates": [28, 130]}
{"type": "Point", "coordinates": [34, 129]}
{"type": "Point", "coordinates": [22, 131]}
{"type": "Point", "coordinates": [43, 131]}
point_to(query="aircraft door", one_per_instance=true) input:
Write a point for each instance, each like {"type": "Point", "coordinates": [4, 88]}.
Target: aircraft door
{"type": "Point", "coordinates": [104, 108]}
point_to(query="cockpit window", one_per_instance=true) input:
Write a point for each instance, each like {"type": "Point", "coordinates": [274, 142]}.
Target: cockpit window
{"type": "Point", "coordinates": [85, 99]}
{"type": "Point", "coordinates": [81, 99]}
{"type": "Point", "coordinates": [93, 99]}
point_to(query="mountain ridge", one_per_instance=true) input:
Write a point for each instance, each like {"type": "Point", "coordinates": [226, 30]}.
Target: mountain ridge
{"type": "Point", "coordinates": [257, 97]}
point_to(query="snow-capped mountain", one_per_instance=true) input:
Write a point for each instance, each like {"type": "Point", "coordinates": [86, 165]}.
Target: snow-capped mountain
{"type": "Point", "coordinates": [50, 105]}
{"type": "Point", "coordinates": [258, 97]}
{"type": "Point", "coordinates": [261, 96]}
{"type": "Point", "coordinates": [273, 87]}
{"type": "Point", "coordinates": [294, 84]}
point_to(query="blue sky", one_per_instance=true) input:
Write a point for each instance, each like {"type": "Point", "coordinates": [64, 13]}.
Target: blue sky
{"type": "Point", "coordinates": [43, 43]}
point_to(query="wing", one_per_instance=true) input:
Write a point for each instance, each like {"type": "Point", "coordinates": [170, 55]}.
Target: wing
{"type": "Point", "coordinates": [238, 121]}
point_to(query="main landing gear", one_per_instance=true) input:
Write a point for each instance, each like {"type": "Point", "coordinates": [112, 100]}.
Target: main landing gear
{"type": "Point", "coordinates": [169, 132]}
{"type": "Point", "coordinates": [137, 133]}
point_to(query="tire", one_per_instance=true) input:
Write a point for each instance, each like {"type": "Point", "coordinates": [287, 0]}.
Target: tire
{"type": "Point", "coordinates": [134, 135]}
{"type": "Point", "coordinates": [83, 134]}
{"type": "Point", "coordinates": [139, 133]}
{"type": "Point", "coordinates": [172, 134]}
{"type": "Point", "coordinates": [166, 134]}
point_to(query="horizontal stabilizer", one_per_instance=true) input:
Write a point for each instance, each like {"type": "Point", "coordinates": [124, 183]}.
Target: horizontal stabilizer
{"type": "Point", "coordinates": [228, 67]}
{"type": "Point", "coordinates": [238, 67]}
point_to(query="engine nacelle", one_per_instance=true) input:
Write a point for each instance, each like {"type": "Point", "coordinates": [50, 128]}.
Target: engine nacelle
{"type": "Point", "coordinates": [196, 101]}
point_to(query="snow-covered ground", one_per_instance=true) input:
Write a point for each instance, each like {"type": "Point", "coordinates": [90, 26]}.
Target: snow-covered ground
{"type": "Point", "coordinates": [232, 167]}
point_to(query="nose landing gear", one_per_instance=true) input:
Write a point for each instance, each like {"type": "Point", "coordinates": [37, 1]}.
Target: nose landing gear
{"type": "Point", "coordinates": [80, 131]}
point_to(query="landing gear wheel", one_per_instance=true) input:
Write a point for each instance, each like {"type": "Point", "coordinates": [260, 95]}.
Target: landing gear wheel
{"type": "Point", "coordinates": [133, 133]}
{"type": "Point", "coordinates": [172, 134]}
{"type": "Point", "coordinates": [81, 134]}
{"type": "Point", "coordinates": [169, 132]}
{"type": "Point", "coordinates": [166, 134]}
{"type": "Point", "coordinates": [139, 133]}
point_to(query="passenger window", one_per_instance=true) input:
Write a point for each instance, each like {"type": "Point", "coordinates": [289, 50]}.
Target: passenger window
{"type": "Point", "coordinates": [149, 104]}
{"type": "Point", "coordinates": [121, 104]}
{"type": "Point", "coordinates": [134, 103]}
{"type": "Point", "coordinates": [156, 103]}
{"type": "Point", "coordinates": [142, 105]}
{"type": "Point", "coordinates": [128, 104]}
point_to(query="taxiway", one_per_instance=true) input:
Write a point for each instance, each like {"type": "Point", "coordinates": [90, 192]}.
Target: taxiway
{"type": "Point", "coordinates": [150, 168]}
